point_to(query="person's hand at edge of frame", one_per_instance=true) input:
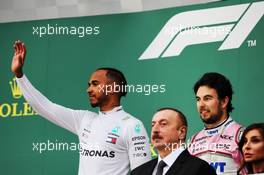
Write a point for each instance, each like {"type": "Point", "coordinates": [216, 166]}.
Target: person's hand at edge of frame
{"type": "Point", "coordinates": [18, 58]}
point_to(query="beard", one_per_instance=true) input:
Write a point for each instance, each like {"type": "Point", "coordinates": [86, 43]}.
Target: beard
{"type": "Point", "coordinates": [214, 118]}
{"type": "Point", "coordinates": [100, 101]}
{"type": "Point", "coordinates": [94, 105]}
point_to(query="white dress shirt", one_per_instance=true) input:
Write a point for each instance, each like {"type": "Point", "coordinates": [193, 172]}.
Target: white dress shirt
{"type": "Point", "coordinates": [169, 160]}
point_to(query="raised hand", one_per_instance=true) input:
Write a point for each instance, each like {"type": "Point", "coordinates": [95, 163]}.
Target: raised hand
{"type": "Point", "coordinates": [18, 58]}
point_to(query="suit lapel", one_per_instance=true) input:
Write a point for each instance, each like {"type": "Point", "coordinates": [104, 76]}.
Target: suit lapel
{"type": "Point", "coordinates": [153, 164]}
{"type": "Point", "coordinates": [176, 166]}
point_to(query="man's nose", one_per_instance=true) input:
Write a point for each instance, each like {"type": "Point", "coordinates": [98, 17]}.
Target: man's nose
{"type": "Point", "coordinates": [155, 128]}
{"type": "Point", "coordinates": [200, 103]}
{"type": "Point", "coordinates": [89, 90]}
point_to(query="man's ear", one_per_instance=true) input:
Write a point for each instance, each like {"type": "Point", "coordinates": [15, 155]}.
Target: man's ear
{"type": "Point", "coordinates": [110, 87]}
{"type": "Point", "coordinates": [182, 132]}
{"type": "Point", "coordinates": [224, 102]}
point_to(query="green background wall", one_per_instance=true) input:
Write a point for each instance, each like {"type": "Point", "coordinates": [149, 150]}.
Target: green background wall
{"type": "Point", "coordinates": [60, 67]}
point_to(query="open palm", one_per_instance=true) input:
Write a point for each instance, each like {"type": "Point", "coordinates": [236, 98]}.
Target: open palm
{"type": "Point", "coordinates": [18, 58]}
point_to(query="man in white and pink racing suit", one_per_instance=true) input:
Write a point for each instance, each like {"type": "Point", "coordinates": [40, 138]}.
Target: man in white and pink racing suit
{"type": "Point", "coordinates": [217, 143]}
{"type": "Point", "coordinates": [218, 146]}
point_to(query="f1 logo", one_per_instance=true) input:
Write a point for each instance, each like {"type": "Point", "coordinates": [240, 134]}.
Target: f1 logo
{"type": "Point", "coordinates": [238, 20]}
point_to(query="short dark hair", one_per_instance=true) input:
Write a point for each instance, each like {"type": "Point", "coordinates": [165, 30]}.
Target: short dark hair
{"type": "Point", "coordinates": [218, 82]}
{"type": "Point", "coordinates": [181, 115]}
{"type": "Point", "coordinates": [260, 128]}
{"type": "Point", "coordinates": [116, 76]}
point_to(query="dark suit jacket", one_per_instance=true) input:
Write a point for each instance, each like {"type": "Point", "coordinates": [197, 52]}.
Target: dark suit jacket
{"type": "Point", "coordinates": [185, 164]}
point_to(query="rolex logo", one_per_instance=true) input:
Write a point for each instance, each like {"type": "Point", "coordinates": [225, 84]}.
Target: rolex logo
{"type": "Point", "coordinates": [16, 92]}
{"type": "Point", "coordinates": [16, 108]}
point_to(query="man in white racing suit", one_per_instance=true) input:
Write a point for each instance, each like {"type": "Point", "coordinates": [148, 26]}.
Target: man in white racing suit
{"type": "Point", "coordinates": [111, 142]}
{"type": "Point", "coordinates": [217, 143]}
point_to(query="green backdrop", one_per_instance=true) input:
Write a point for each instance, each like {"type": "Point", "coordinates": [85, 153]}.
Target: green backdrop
{"type": "Point", "coordinates": [59, 65]}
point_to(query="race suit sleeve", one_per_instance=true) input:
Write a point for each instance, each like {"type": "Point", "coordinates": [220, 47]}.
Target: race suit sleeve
{"type": "Point", "coordinates": [138, 144]}
{"type": "Point", "coordinates": [59, 115]}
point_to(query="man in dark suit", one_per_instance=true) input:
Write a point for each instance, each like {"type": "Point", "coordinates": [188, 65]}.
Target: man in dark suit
{"type": "Point", "coordinates": [169, 129]}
